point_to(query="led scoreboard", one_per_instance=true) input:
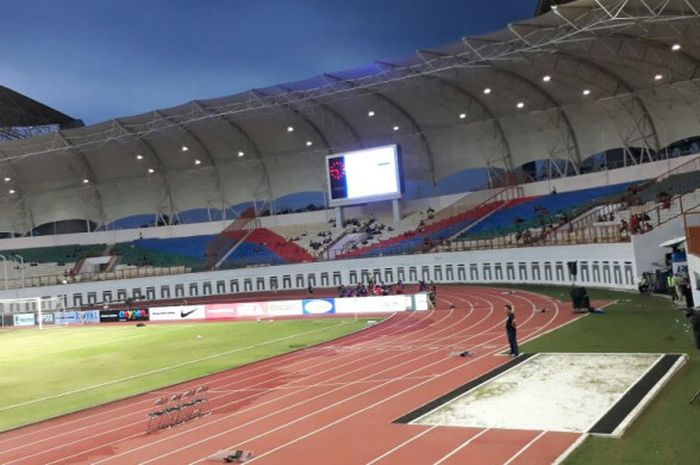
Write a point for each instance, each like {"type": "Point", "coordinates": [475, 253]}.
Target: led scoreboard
{"type": "Point", "coordinates": [364, 176]}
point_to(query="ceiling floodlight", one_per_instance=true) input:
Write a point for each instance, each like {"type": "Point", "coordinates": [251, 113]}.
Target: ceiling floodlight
{"type": "Point", "coordinates": [462, 115]}
{"type": "Point", "coordinates": [241, 153]}
{"type": "Point", "coordinates": [675, 47]}
{"type": "Point", "coordinates": [487, 91]}
{"type": "Point", "coordinates": [198, 161]}
{"type": "Point", "coordinates": [658, 77]}
{"type": "Point", "coordinates": [151, 170]}
{"type": "Point", "coordinates": [139, 157]}
{"type": "Point", "coordinates": [370, 113]}
{"type": "Point", "coordinates": [586, 91]}
{"type": "Point", "coordinates": [185, 148]}
{"type": "Point", "coordinates": [12, 191]}
{"type": "Point", "coordinates": [309, 143]}
{"type": "Point", "coordinates": [520, 105]}
{"type": "Point", "coordinates": [395, 128]}
{"type": "Point", "coordinates": [7, 179]}
{"type": "Point", "coordinates": [86, 181]}
{"type": "Point", "coordinates": [547, 78]}
{"type": "Point", "coordinates": [290, 128]}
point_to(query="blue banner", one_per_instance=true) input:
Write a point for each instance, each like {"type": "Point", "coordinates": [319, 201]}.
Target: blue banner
{"type": "Point", "coordinates": [318, 306]}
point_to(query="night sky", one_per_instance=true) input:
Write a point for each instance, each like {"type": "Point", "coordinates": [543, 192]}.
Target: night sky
{"type": "Point", "coordinates": [100, 59]}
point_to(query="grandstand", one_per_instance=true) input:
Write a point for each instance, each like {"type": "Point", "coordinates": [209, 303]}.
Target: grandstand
{"type": "Point", "coordinates": [490, 127]}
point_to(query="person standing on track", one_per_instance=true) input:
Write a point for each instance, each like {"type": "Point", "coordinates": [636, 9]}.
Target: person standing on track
{"type": "Point", "coordinates": [511, 331]}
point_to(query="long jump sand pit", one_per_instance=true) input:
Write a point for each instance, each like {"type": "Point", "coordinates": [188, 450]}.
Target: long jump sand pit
{"type": "Point", "coordinates": [596, 393]}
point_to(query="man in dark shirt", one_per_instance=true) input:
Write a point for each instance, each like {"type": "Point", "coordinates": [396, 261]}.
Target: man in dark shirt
{"type": "Point", "coordinates": [511, 331]}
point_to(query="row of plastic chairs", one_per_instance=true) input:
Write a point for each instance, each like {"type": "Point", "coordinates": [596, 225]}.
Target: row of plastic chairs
{"type": "Point", "coordinates": [178, 408]}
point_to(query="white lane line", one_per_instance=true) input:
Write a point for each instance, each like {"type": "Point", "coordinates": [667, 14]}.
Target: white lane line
{"type": "Point", "coordinates": [465, 444]}
{"type": "Point", "coordinates": [405, 443]}
{"type": "Point", "coordinates": [524, 448]}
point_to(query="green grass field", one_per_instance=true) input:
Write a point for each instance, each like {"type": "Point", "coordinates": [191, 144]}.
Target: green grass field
{"type": "Point", "coordinates": [95, 360]}
{"type": "Point", "coordinates": [666, 432]}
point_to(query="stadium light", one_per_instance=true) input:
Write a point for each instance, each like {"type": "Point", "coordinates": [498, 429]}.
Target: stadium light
{"type": "Point", "coordinates": [7, 179]}
{"type": "Point", "coordinates": [151, 170]}
{"type": "Point", "coordinates": [309, 143]}
{"type": "Point", "coordinates": [658, 77]}
{"type": "Point", "coordinates": [241, 153]}
{"type": "Point", "coordinates": [139, 157]}
{"type": "Point", "coordinates": [520, 105]}
{"type": "Point", "coordinates": [546, 78]}
{"type": "Point", "coordinates": [370, 113]}
{"type": "Point", "coordinates": [395, 128]}
{"type": "Point", "coordinates": [554, 7]}
{"type": "Point", "coordinates": [290, 128]}
{"type": "Point", "coordinates": [487, 91]}
{"type": "Point", "coordinates": [185, 148]}
{"type": "Point", "coordinates": [462, 115]}
{"type": "Point", "coordinates": [198, 161]}
{"type": "Point", "coordinates": [86, 180]}
{"type": "Point", "coordinates": [675, 47]}
{"type": "Point", "coordinates": [586, 92]}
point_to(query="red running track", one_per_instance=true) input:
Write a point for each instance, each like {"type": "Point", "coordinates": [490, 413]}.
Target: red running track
{"type": "Point", "coordinates": [329, 404]}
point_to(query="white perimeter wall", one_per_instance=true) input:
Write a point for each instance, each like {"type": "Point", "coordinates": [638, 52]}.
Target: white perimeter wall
{"type": "Point", "coordinates": [599, 265]}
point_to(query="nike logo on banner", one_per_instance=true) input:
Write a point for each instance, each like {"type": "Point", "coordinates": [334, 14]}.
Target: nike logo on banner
{"type": "Point", "coordinates": [184, 314]}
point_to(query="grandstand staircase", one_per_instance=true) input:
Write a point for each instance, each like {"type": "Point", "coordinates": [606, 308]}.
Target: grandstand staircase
{"type": "Point", "coordinates": [471, 204]}
{"type": "Point", "coordinates": [237, 241]}
{"type": "Point", "coordinates": [219, 249]}
{"type": "Point", "coordinates": [288, 250]}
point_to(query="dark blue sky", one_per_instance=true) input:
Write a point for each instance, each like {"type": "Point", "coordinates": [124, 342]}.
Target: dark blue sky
{"type": "Point", "coordinates": [99, 59]}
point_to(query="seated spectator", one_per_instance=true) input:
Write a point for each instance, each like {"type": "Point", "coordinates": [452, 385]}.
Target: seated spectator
{"type": "Point", "coordinates": [624, 227]}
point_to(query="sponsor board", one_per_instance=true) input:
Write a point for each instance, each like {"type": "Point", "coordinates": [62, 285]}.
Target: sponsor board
{"type": "Point", "coordinates": [254, 309]}
{"type": "Point", "coordinates": [77, 317]}
{"type": "Point", "coordinates": [177, 313]}
{"type": "Point", "coordinates": [236, 310]}
{"type": "Point", "coordinates": [318, 306]}
{"type": "Point", "coordinates": [372, 304]}
{"type": "Point", "coordinates": [47, 318]}
{"type": "Point", "coordinates": [111, 316]}
{"type": "Point", "coordinates": [23, 319]}
{"type": "Point", "coordinates": [285, 308]}
{"type": "Point", "coordinates": [420, 301]}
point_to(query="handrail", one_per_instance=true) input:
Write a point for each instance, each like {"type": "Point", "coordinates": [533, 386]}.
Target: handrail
{"type": "Point", "coordinates": [590, 218]}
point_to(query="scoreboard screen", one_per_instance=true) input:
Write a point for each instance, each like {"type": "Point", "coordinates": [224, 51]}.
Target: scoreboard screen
{"type": "Point", "coordinates": [364, 176]}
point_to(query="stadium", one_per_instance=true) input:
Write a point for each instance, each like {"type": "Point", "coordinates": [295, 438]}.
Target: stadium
{"type": "Point", "coordinates": [316, 272]}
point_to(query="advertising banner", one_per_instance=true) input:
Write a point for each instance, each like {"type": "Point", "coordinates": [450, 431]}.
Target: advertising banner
{"type": "Point", "coordinates": [111, 316]}
{"type": "Point", "coordinates": [284, 308]}
{"type": "Point", "coordinates": [372, 304]}
{"type": "Point", "coordinates": [318, 306]}
{"type": "Point", "coordinates": [420, 302]}
{"type": "Point", "coordinates": [253, 309]}
{"type": "Point", "coordinates": [77, 317]}
{"type": "Point", "coordinates": [23, 319]}
{"type": "Point", "coordinates": [47, 318]}
{"type": "Point", "coordinates": [177, 313]}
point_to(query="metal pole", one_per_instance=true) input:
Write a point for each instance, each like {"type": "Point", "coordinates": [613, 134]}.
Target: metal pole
{"type": "Point", "coordinates": [21, 258]}
{"type": "Point", "coordinates": [4, 262]}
